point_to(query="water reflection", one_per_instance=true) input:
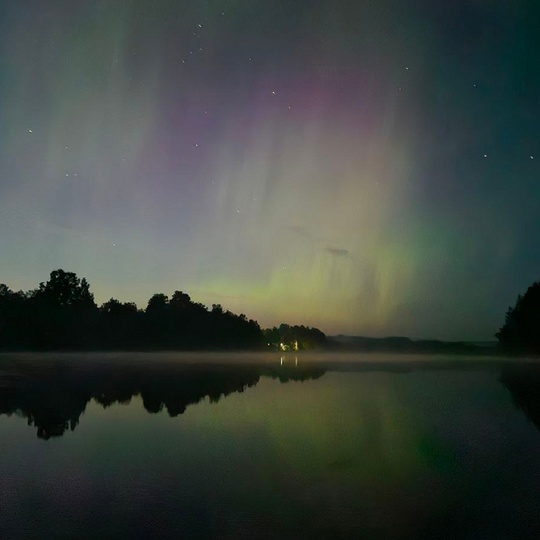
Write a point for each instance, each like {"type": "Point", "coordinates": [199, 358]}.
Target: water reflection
{"type": "Point", "coordinates": [52, 396]}
{"type": "Point", "coordinates": [523, 383]}
{"type": "Point", "coordinates": [383, 448]}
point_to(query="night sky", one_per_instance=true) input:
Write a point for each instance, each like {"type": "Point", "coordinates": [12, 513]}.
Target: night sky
{"type": "Point", "coordinates": [366, 167]}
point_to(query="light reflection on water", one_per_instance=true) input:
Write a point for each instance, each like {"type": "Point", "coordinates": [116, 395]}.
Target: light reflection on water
{"type": "Point", "coordinates": [278, 447]}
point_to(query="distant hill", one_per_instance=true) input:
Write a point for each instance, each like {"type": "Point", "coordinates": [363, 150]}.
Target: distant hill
{"type": "Point", "coordinates": [407, 345]}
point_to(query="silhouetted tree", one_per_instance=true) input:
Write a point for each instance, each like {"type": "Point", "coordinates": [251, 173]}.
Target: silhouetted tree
{"type": "Point", "coordinates": [62, 313]}
{"type": "Point", "coordinates": [120, 325]}
{"type": "Point", "coordinates": [521, 330]}
{"type": "Point", "coordinates": [65, 289]}
{"type": "Point", "coordinates": [13, 317]}
{"type": "Point", "coordinates": [271, 335]}
{"type": "Point", "coordinates": [156, 329]}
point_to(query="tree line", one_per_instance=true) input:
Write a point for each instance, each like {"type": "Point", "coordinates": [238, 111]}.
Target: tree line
{"type": "Point", "coordinates": [61, 314]}
{"type": "Point", "coordinates": [294, 338]}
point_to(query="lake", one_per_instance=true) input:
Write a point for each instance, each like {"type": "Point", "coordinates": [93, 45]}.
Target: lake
{"type": "Point", "coordinates": [218, 446]}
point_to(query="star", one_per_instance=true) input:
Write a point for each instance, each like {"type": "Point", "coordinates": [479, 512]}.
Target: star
{"type": "Point", "coordinates": [273, 93]}
{"type": "Point", "coordinates": [30, 131]}
{"type": "Point", "coordinates": [485, 155]}
{"type": "Point", "coordinates": [532, 157]}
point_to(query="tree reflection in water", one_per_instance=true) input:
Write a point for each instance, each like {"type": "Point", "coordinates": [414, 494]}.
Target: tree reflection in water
{"type": "Point", "coordinates": [52, 396]}
{"type": "Point", "coordinates": [523, 383]}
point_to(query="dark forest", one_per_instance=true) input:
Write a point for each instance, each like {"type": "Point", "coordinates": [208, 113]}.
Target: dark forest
{"type": "Point", "coordinates": [61, 314]}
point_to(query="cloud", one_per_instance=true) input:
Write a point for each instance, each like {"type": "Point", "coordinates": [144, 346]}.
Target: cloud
{"type": "Point", "coordinates": [338, 252]}
{"type": "Point", "coordinates": [300, 230]}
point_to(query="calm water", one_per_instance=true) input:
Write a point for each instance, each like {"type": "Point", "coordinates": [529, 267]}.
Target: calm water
{"type": "Point", "coordinates": [247, 446]}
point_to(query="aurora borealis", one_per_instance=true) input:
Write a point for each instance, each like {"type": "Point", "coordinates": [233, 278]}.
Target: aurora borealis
{"type": "Point", "coordinates": [366, 167]}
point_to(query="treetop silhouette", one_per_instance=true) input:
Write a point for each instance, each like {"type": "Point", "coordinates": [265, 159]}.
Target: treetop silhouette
{"type": "Point", "coordinates": [520, 333]}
